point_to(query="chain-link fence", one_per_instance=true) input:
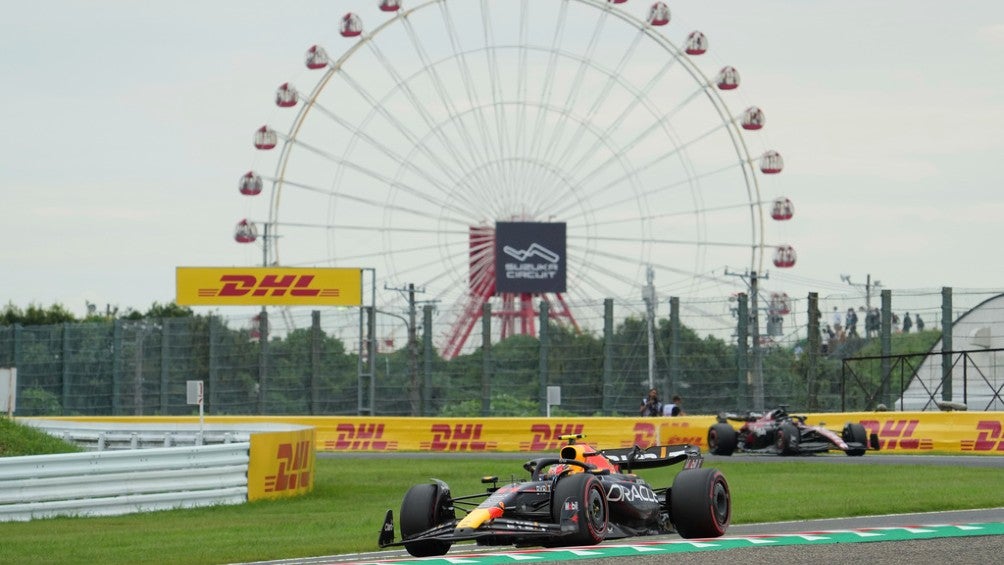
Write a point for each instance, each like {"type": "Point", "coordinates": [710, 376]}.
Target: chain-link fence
{"type": "Point", "coordinates": [714, 353]}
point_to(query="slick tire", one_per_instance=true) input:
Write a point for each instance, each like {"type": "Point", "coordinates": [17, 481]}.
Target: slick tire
{"type": "Point", "coordinates": [424, 507]}
{"type": "Point", "coordinates": [786, 440]}
{"type": "Point", "coordinates": [584, 492]}
{"type": "Point", "coordinates": [700, 505]}
{"type": "Point", "coordinates": [722, 439]}
{"type": "Point", "coordinates": [855, 433]}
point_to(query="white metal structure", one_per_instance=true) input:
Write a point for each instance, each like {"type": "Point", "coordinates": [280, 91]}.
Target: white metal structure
{"type": "Point", "coordinates": [443, 117]}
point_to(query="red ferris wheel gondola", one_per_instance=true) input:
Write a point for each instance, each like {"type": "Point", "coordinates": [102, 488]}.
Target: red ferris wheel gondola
{"type": "Point", "coordinates": [785, 257]}
{"type": "Point", "coordinates": [727, 79]}
{"type": "Point", "coordinates": [658, 14]}
{"type": "Point", "coordinates": [782, 209]}
{"type": "Point", "coordinates": [390, 5]}
{"type": "Point", "coordinates": [250, 184]}
{"type": "Point", "coordinates": [753, 119]}
{"type": "Point", "coordinates": [316, 57]}
{"type": "Point", "coordinates": [771, 162]}
{"type": "Point", "coordinates": [352, 25]}
{"type": "Point", "coordinates": [245, 232]}
{"type": "Point", "coordinates": [265, 138]}
{"type": "Point", "coordinates": [779, 303]}
{"type": "Point", "coordinates": [286, 96]}
{"type": "Point", "coordinates": [697, 43]}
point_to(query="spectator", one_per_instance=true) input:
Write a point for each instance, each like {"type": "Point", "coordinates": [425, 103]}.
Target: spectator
{"type": "Point", "coordinates": [851, 320]}
{"type": "Point", "coordinates": [675, 408]}
{"type": "Point", "coordinates": [873, 323]}
{"type": "Point", "coordinates": [837, 322]}
{"type": "Point", "coordinates": [919, 324]}
{"type": "Point", "coordinates": [907, 323]}
{"type": "Point", "coordinates": [651, 405]}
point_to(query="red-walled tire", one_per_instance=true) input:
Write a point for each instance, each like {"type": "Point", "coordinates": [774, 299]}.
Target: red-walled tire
{"type": "Point", "coordinates": [700, 505]}
{"type": "Point", "coordinates": [722, 439]}
{"type": "Point", "coordinates": [593, 512]}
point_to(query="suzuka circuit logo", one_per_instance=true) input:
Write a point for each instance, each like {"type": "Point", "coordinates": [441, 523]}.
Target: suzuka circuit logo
{"type": "Point", "coordinates": [526, 269]}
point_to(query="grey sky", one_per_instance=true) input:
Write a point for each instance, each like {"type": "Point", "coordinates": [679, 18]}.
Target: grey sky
{"type": "Point", "coordinates": [126, 125]}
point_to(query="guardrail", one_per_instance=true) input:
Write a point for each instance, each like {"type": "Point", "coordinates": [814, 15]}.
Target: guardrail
{"type": "Point", "coordinates": [101, 436]}
{"type": "Point", "coordinates": [109, 483]}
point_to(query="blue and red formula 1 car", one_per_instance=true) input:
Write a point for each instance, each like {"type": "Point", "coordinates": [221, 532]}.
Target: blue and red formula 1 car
{"type": "Point", "coordinates": [780, 433]}
{"type": "Point", "coordinates": [581, 497]}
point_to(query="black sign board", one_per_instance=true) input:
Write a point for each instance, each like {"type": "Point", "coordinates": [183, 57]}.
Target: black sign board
{"type": "Point", "coordinates": [530, 257]}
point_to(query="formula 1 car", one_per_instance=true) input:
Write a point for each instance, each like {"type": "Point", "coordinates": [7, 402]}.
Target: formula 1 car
{"type": "Point", "coordinates": [581, 497]}
{"type": "Point", "coordinates": [778, 432]}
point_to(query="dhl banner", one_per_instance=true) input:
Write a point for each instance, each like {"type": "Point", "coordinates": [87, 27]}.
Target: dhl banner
{"type": "Point", "coordinates": [281, 464]}
{"type": "Point", "coordinates": [219, 286]}
{"type": "Point", "coordinates": [976, 433]}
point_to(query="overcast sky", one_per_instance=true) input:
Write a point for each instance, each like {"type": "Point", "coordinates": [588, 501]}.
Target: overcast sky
{"type": "Point", "coordinates": [127, 124]}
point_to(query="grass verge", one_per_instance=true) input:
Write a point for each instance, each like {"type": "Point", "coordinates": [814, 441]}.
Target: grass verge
{"type": "Point", "coordinates": [344, 512]}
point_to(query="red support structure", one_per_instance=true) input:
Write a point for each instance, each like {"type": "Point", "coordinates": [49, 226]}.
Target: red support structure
{"type": "Point", "coordinates": [513, 307]}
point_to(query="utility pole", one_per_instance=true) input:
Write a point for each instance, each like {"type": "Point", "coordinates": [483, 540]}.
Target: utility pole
{"type": "Point", "coordinates": [754, 286]}
{"type": "Point", "coordinates": [868, 286]}
{"type": "Point", "coordinates": [415, 384]}
{"type": "Point", "coordinates": [648, 295]}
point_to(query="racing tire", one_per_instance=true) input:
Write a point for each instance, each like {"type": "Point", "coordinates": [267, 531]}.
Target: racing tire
{"type": "Point", "coordinates": [786, 440]}
{"type": "Point", "coordinates": [592, 514]}
{"type": "Point", "coordinates": [855, 433]}
{"type": "Point", "coordinates": [700, 505]}
{"type": "Point", "coordinates": [722, 439]}
{"type": "Point", "coordinates": [425, 506]}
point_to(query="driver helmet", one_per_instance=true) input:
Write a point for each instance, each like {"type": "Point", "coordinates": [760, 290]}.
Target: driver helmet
{"type": "Point", "coordinates": [556, 470]}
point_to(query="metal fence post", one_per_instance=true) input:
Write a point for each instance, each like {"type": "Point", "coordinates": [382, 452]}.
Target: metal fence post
{"type": "Point", "coordinates": [742, 353]}
{"type": "Point", "coordinates": [946, 343]}
{"type": "Point", "coordinates": [885, 341]}
{"type": "Point", "coordinates": [674, 346]}
{"type": "Point", "coordinates": [608, 352]}
{"type": "Point", "coordinates": [812, 353]}
{"type": "Point", "coordinates": [544, 346]}
{"type": "Point", "coordinates": [486, 359]}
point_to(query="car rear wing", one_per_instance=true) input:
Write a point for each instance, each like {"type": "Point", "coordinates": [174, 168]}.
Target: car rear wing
{"type": "Point", "coordinates": [629, 458]}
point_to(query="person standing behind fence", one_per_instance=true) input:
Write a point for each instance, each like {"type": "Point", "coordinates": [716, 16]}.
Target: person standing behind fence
{"type": "Point", "coordinates": [651, 405]}
{"type": "Point", "coordinates": [919, 324]}
{"type": "Point", "coordinates": [675, 408]}
{"type": "Point", "coordinates": [907, 323]}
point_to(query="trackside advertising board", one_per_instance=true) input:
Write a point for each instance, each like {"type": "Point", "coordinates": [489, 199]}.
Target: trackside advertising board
{"type": "Point", "coordinates": [281, 464]}
{"type": "Point", "coordinates": [903, 433]}
{"type": "Point", "coordinates": [272, 286]}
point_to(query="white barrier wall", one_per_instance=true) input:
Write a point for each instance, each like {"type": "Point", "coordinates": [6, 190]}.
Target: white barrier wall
{"type": "Point", "coordinates": [110, 483]}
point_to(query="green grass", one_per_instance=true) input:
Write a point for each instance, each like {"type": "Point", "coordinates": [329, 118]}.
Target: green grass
{"type": "Point", "coordinates": [344, 512]}
{"type": "Point", "coordinates": [16, 439]}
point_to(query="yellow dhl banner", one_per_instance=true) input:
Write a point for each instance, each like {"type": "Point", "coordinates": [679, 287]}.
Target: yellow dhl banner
{"type": "Point", "coordinates": [274, 286]}
{"type": "Point", "coordinates": [917, 433]}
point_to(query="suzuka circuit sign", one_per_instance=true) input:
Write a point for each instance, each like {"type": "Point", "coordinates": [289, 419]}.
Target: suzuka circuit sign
{"type": "Point", "coordinates": [530, 257]}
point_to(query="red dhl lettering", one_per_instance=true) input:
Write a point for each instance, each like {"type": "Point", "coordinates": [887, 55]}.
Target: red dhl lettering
{"type": "Point", "coordinates": [364, 437]}
{"type": "Point", "coordinates": [294, 468]}
{"type": "Point", "coordinates": [276, 285]}
{"type": "Point", "coordinates": [897, 434]}
{"type": "Point", "coordinates": [546, 437]}
{"type": "Point", "coordinates": [460, 437]}
{"type": "Point", "coordinates": [990, 437]}
{"type": "Point", "coordinates": [669, 433]}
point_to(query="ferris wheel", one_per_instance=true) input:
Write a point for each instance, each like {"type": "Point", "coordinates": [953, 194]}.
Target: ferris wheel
{"type": "Point", "coordinates": [442, 122]}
